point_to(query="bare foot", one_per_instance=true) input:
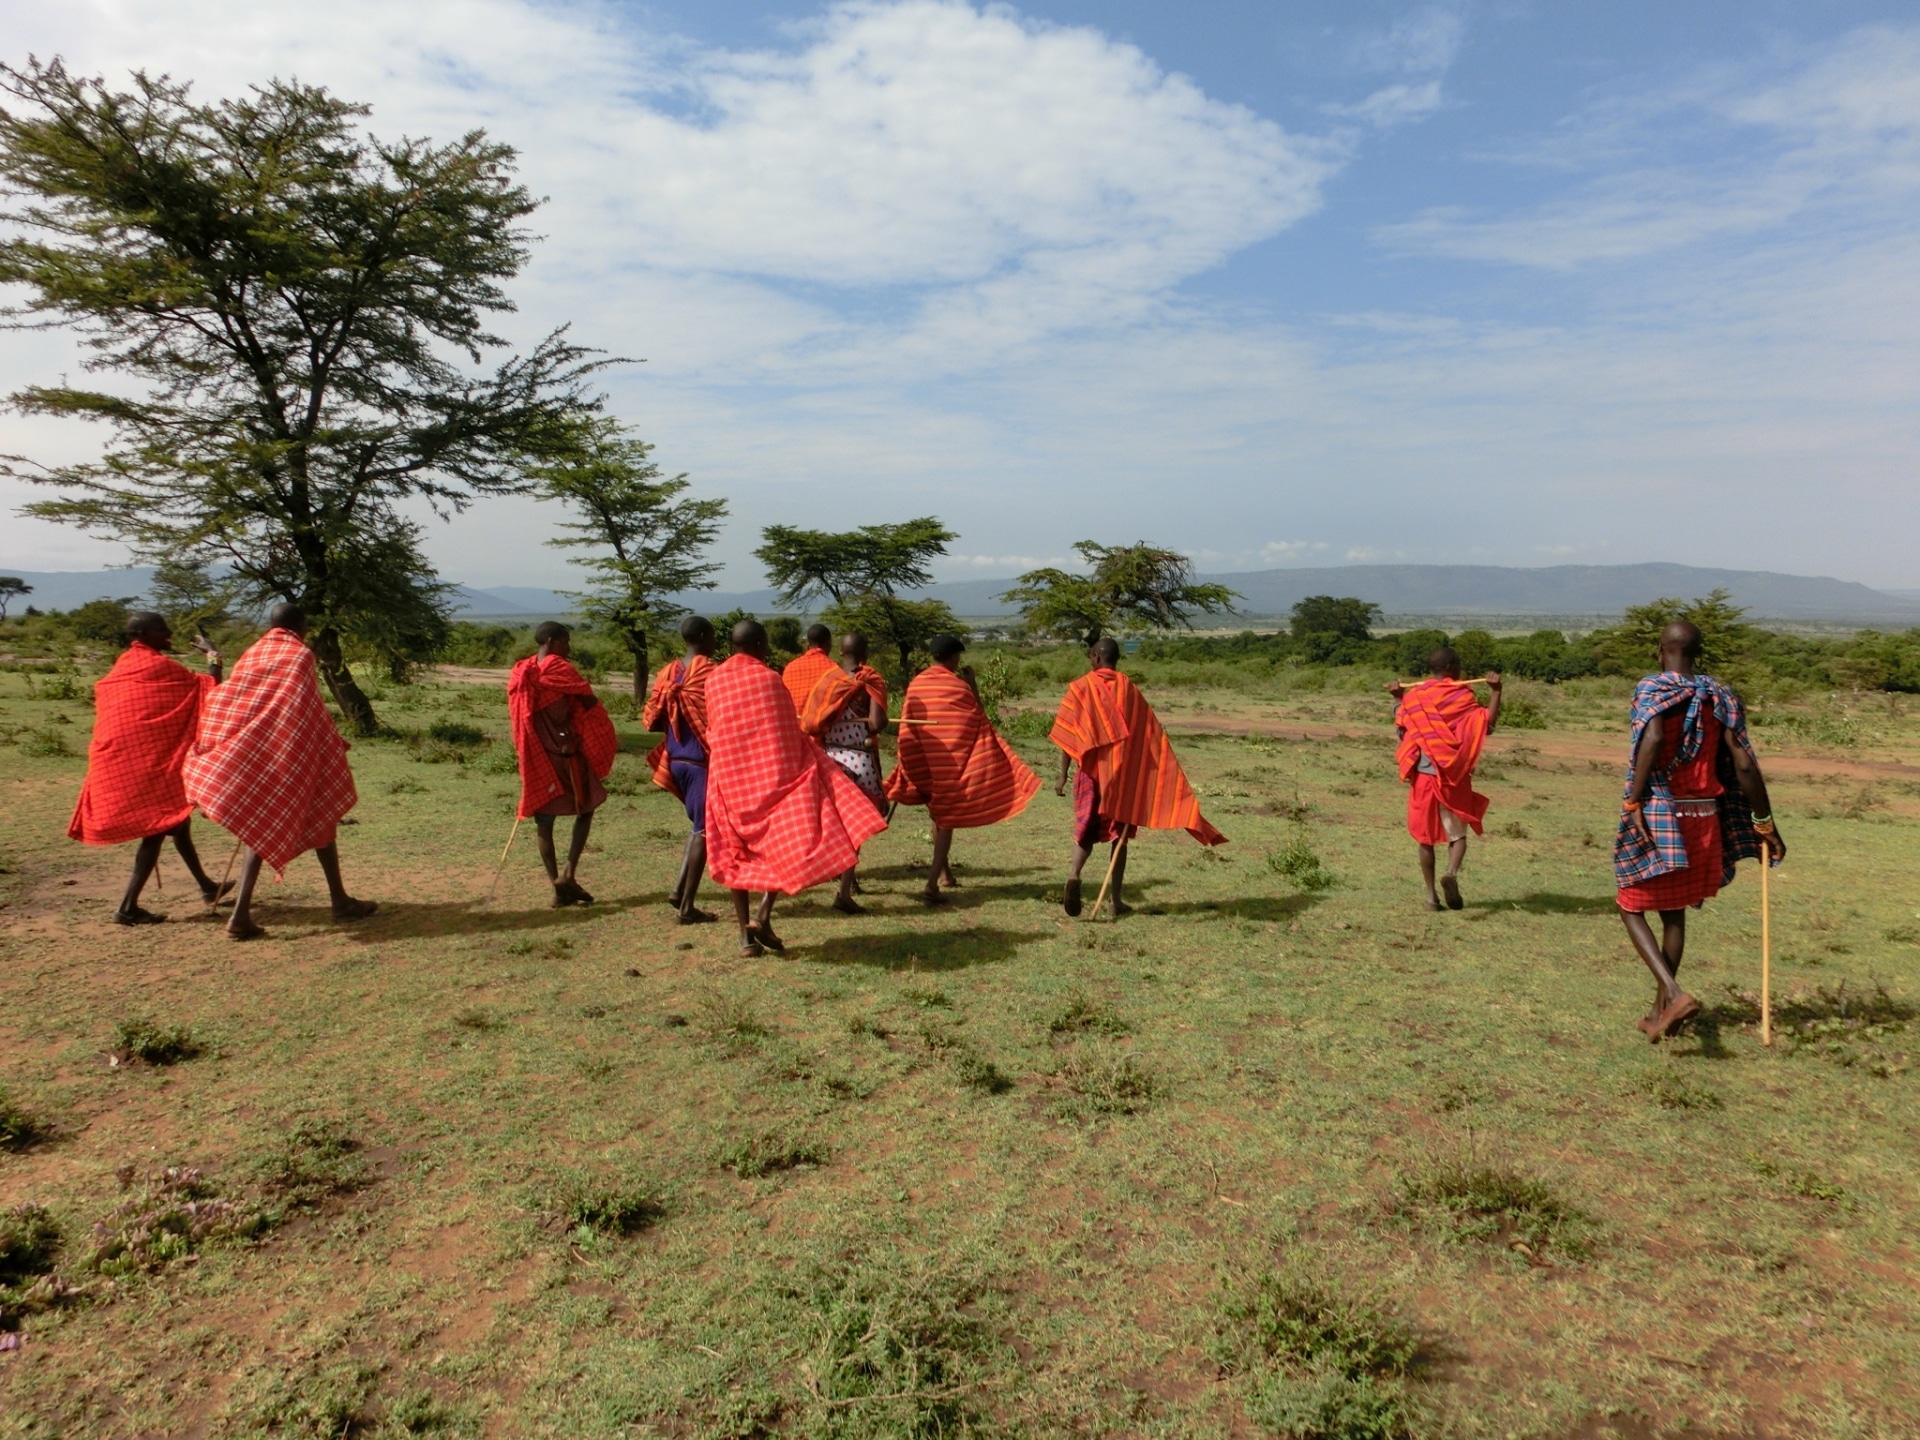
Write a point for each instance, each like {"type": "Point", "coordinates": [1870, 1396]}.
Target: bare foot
{"type": "Point", "coordinates": [213, 895]}
{"type": "Point", "coordinates": [1120, 909]}
{"type": "Point", "coordinates": [1450, 887]}
{"type": "Point", "coordinates": [137, 916]}
{"type": "Point", "coordinates": [750, 946]}
{"type": "Point", "coordinates": [246, 931]}
{"type": "Point", "coordinates": [764, 934]}
{"type": "Point", "coordinates": [847, 906]}
{"type": "Point", "coordinates": [947, 879]}
{"type": "Point", "coordinates": [1433, 903]}
{"type": "Point", "coordinates": [932, 897]}
{"type": "Point", "coordinates": [352, 909]}
{"type": "Point", "coordinates": [695, 917]}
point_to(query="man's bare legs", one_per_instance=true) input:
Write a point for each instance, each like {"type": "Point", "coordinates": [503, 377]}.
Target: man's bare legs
{"type": "Point", "coordinates": [146, 856]}
{"type": "Point", "coordinates": [566, 890]}
{"type": "Point", "coordinates": [756, 934]}
{"type": "Point", "coordinates": [940, 872]}
{"type": "Point", "coordinates": [1670, 1003]}
{"type": "Point", "coordinates": [693, 862]}
{"type": "Point", "coordinates": [1081, 853]}
{"type": "Point", "coordinates": [345, 907]}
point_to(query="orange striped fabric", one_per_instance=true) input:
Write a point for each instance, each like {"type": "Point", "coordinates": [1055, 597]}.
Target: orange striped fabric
{"type": "Point", "coordinates": [834, 691]}
{"type": "Point", "coordinates": [803, 672]}
{"type": "Point", "coordinates": [1106, 725]}
{"type": "Point", "coordinates": [1445, 720]}
{"type": "Point", "coordinates": [678, 697]}
{"type": "Point", "coordinates": [953, 761]}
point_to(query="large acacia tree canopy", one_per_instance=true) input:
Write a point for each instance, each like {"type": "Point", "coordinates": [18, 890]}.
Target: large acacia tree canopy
{"type": "Point", "coordinates": [303, 311]}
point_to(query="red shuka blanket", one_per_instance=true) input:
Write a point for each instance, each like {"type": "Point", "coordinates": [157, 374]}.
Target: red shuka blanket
{"type": "Point", "coordinates": [803, 672]}
{"type": "Point", "coordinates": [834, 691]}
{"type": "Point", "coordinates": [535, 683]}
{"type": "Point", "coordinates": [267, 763]}
{"type": "Point", "coordinates": [955, 762]}
{"type": "Point", "coordinates": [678, 697]}
{"type": "Point", "coordinates": [1106, 725]}
{"type": "Point", "coordinates": [780, 815]}
{"type": "Point", "coordinates": [145, 711]}
{"type": "Point", "coordinates": [1446, 720]}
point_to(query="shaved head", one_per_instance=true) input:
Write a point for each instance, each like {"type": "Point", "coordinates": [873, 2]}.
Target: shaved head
{"type": "Point", "coordinates": [146, 626]}
{"type": "Point", "coordinates": [696, 628]}
{"type": "Point", "coordinates": [1105, 652]}
{"type": "Point", "coordinates": [1444, 661]}
{"type": "Point", "coordinates": [853, 645]}
{"type": "Point", "coordinates": [749, 637]}
{"type": "Point", "coordinates": [547, 629]}
{"type": "Point", "coordinates": [1684, 636]}
{"type": "Point", "coordinates": [819, 637]}
{"type": "Point", "coordinates": [288, 616]}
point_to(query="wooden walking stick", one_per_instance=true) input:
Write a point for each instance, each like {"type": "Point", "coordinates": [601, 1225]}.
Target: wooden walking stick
{"type": "Point", "coordinates": [1766, 949]}
{"type": "Point", "coordinates": [1118, 850]}
{"type": "Point", "coordinates": [215, 901]}
{"type": "Point", "coordinates": [503, 861]}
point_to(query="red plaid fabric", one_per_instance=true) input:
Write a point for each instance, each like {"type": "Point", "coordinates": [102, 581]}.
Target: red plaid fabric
{"type": "Point", "coordinates": [268, 764]}
{"type": "Point", "coordinates": [780, 815]}
{"type": "Point", "coordinates": [145, 710]}
{"type": "Point", "coordinates": [532, 685]}
{"type": "Point", "coordinates": [1106, 725]}
{"type": "Point", "coordinates": [955, 762]}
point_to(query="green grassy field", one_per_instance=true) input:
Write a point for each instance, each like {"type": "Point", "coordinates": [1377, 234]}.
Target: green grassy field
{"type": "Point", "coordinates": [1259, 1159]}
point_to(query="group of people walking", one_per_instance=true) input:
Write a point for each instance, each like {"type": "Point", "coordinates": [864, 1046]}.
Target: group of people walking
{"type": "Point", "coordinates": [779, 772]}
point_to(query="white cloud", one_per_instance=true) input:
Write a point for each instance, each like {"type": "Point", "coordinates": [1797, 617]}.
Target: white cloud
{"type": "Point", "coordinates": [1415, 44]}
{"type": "Point", "coordinates": [1393, 105]}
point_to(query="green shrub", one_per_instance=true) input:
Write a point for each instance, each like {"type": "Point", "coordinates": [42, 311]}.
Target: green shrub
{"type": "Point", "coordinates": [455, 732]}
{"type": "Point", "coordinates": [769, 1151]}
{"type": "Point", "coordinates": [1491, 1204]}
{"type": "Point", "coordinates": [1296, 861]}
{"type": "Point", "coordinates": [618, 1205]}
{"type": "Point", "coordinates": [147, 1042]}
{"type": "Point", "coordinates": [19, 1126]}
{"type": "Point", "coordinates": [1106, 1081]}
{"type": "Point", "coordinates": [166, 1216]}
{"type": "Point", "coordinates": [46, 743]}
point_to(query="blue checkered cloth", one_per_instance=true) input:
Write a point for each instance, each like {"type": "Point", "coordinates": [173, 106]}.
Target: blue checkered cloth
{"type": "Point", "coordinates": [1693, 697]}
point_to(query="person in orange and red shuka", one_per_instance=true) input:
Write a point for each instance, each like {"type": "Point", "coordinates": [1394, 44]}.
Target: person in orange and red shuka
{"type": "Point", "coordinates": [846, 713]}
{"type": "Point", "coordinates": [803, 672]}
{"type": "Point", "coordinates": [677, 708]}
{"type": "Point", "coordinates": [268, 765]}
{"type": "Point", "coordinates": [566, 747]}
{"type": "Point", "coordinates": [953, 761]}
{"type": "Point", "coordinates": [1442, 726]}
{"type": "Point", "coordinates": [1128, 776]}
{"type": "Point", "coordinates": [781, 816]}
{"type": "Point", "coordinates": [146, 710]}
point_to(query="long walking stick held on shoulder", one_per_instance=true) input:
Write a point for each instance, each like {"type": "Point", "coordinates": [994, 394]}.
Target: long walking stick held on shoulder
{"type": "Point", "coordinates": [1118, 851]}
{"type": "Point", "coordinates": [503, 861]}
{"type": "Point", "coordinates": [1766, 950]}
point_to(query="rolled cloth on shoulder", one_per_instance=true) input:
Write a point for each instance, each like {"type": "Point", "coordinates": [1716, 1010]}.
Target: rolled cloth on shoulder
{"type": "Point", "coordinates": [267, 763]}
{"type": "Point", "coordinates": [803, 672]}
{"type": "Point", "coordinates": [1106, 725]}
{"type": "Point", "coordinates": [1446, 722]}
{"type": "Point", "coordinates": [780, 815]}
{"type": "Point", "coordinates": [535, 683]}
{"type": "Point", "coordinates": [146, 711]}
{"type": "Point", "coordinates": [677, 700]}
{"type": "Point", "coordinates": [834, 691]}
{"type": "Point", "coordinates": [954, 762]}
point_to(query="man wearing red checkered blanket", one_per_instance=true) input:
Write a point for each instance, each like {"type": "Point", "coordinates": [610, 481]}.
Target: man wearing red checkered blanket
{"type": "Point", "coordinates": [269, 765]}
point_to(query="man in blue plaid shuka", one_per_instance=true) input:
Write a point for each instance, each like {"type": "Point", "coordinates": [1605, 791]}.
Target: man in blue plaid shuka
{"type": "Point", "coordinates": [1664, 853]}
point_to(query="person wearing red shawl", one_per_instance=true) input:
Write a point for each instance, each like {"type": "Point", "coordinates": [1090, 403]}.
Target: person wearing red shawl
{"type": "Point", "coordinates": [953, 761]}
{"type": "Point", "coordinates": [781, 816]}
{"type": "Point", "coordinates": [677, 708]}
{"type": "Point", "coordinates": [1695, 804]}
{"type": "Point", "coordinates": [1127, 777]}
{"type": "Point", "coordinates": [803, 672]}
{"type": "Point", "coordinates": [146, 709]}
{"type": "Point", "coordinates": [1442, 727]}
{"type": "Point", "coordinates": [846, 713]}
{"type": "Point", "coordinates": [566, 747]}
{"type": "Point", "coordinates": [268, 764]}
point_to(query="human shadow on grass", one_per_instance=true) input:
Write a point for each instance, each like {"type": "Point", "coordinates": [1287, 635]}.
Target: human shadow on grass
{"type": "Point", "coordinates": [402, 920]}
{"type": "Point", "coordinates": [906, 900]}
{"type": "Point", "coordinates": [967, 872]}
{"type": "Point", "coordinates": [921, 950]}
{"type": "Point", "coordinates": [1247, 907]}
{"type": "Point", "coordinates": [1547, 902]}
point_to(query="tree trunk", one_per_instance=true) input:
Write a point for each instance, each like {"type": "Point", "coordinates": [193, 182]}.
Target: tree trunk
{"type": "Point", "coordinates": [351, 699]}
{"type": "Point", "coordinates": [637, 642]}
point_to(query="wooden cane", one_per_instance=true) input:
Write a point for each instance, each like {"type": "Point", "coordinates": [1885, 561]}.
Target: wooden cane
{"type": "Point", "coordinates": [215, 901]}
{"type": "Point", "coordinates": [1766, 950]}
{"type": "Point", "coordinates": [1112, 864]}
{"type": "Point", "coordinates": [503, 861]}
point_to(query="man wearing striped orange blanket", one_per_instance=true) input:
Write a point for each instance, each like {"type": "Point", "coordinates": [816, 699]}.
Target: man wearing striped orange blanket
{"type": "Point", "coordinates": [1127, 777]}
{"type": "Point", "coordinates": [1442, 726]}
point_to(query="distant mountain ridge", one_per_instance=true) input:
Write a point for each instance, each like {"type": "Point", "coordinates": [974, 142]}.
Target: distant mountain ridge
{"type": "Point", "coordinates": [1410, 590]}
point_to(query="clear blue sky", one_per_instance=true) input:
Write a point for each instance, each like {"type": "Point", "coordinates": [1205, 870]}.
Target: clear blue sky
{"type": "Point", "coordinates": [1289, 284]}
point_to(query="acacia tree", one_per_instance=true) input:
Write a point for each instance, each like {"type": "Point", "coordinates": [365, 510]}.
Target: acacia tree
{"type": "Point", "coordinates": [1131, 587]}
{"type": "Point", "coordinates": [291, 299]}
{"type": "Point", "coordinates": [653, 540]}
{"type": "Point", "coordinates": [12, 587]}
{"type": "Point", "coordinates": [863, 571]}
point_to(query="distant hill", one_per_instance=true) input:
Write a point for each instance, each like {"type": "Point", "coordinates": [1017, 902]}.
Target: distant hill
{"type": "Point", "coordinates": [1406, 590]}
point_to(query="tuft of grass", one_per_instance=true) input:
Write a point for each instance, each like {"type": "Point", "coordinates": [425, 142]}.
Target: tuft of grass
{"type": "Point", "coordinates": [899, 1347]}
{"type": "Point", "coordinates": [770, 1151]}
{"type": "Point", "coordinates": [1082, 1015]}
{"type": "Point", "coordinates": [1105, 1081]}
{"type": "Point", "coordinates": [318, 1398]}
{"type": "Point", "coordinates": [1514, 830]}
{"type": "Point", "coordinates": [20, 1128]}
{"type": "Point", "coordinates": [30, 1244]}
{"type": "Point", "coordinates": [1806, 1184]}
{"type": "Point", "coordinates": [976, 1072]}
{"type": "Point", "coordinates": [404, 786]}
{"type": "Point", "coordinates": [455, 732]}
{"type": "Point", "coordinates": [478, 1020]}
{"type": "Point", "coordinates": [166, 1216]}
{"type": "Point", "coordinates": [866, 1026]}
{"type": "Point", "coordinates": [926, 997]}
{"type": "Point", "coordinates": [147, 1042]}
{"type": "Point", "coordinates": [1326, 1363]}
{"type": "Point", "coordinates": [1672, 1091]}
{"type": "Point", "coordinates": [1494, 1204]}
{"type": "Point", "coordinates": [317, 1160]}
{"type": "Point", "coordinates": [586, 1204]}
{"type": "Point", "coordinates": [1459, 1094]}
{"type": "Point", "coordinates": [1297, 862]}
{"type": "Point", "coordinates": [729, 1021]}
{"type": "Point", "coordinates": [45, 743]}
